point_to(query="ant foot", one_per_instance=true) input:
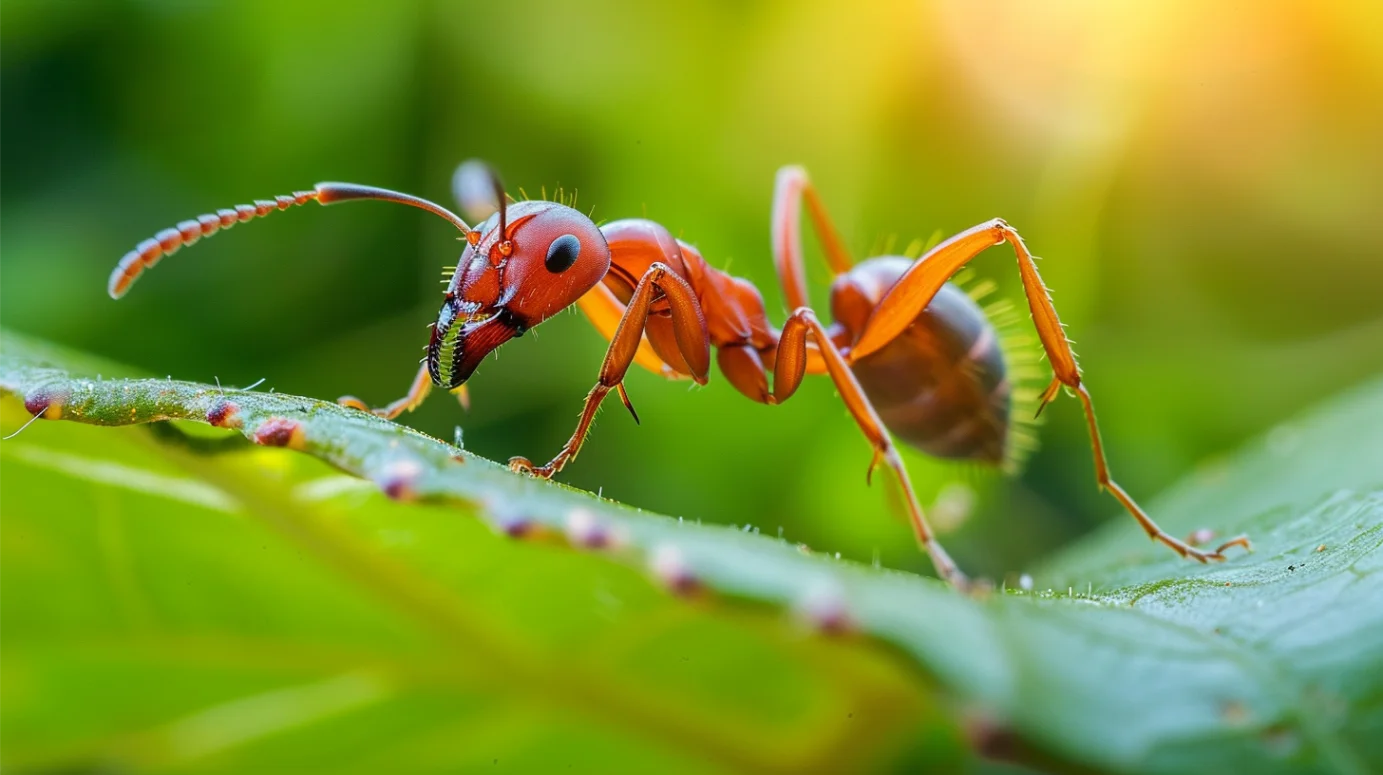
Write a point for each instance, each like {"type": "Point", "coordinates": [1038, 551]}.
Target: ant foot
{"type": "Point", "coordinates": [946, 568]}
{"type": "Point", "coordinates": [1241, 541]}
{"type": "Point", "coordinates": [351, 402]}
{"type": "Point", "coordinates": [1187, 549]}
{"type": "Point", "coordinates": [386, 412]}
{"type": "Point", "coordinates": [522, 465]}
{"type": "Point", "coordinates": [979, 589]}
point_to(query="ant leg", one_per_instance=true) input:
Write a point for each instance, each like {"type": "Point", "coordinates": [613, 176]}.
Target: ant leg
{"type": "Point", "coordinates": [743, 368]}
{"type": "Point", "coordinates": [791, 365]}
{"type": "Point", "coordinates": [689, 325]}
{"type": "Point", "coordinates": [422, 385]}
{"type": "Point", "coordinates": [790, 189]}
{"type": "Point", "coordinates": [1154, 532]}
{"type": "Point", "coordinates": [915, 289]}
{"type": "Point", "coordinates": [604, 310]}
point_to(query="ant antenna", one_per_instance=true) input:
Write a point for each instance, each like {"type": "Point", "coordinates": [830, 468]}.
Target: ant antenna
{"type": "Point", "coordinates": [503, 202]}
{"type": "Point", "coordinates": [168, 241]}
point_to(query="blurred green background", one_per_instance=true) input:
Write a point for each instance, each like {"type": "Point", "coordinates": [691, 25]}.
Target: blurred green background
{"type": "Point", "coordinates": [1203, 179]}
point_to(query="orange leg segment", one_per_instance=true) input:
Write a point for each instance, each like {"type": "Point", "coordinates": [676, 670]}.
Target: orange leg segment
{"type": "Point", "coordinates": [422, 385]}
{"type": "Point", "coordinates": [605, 312]}
{"type": "Point", "coordinates": [789, 191]}
{"type": "Point", "coordinates": [920, 283]}
{"type": "Point", "coordinates": [787, 375]}
{"type": "Point", "coordinates": [743, 367]}
{"type": "Point", "coordinates": [1154, 532]}
{"type": "Point", "coordinates": [689, 326]}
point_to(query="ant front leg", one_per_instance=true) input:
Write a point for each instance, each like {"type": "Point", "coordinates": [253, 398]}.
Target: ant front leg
{"type": "Point", "coordinates": [689, 325]}
{"type": "Point", "coordinates": [915, 289]}
{"type": "Point", "coordinates": [604, 310]}
{"type": "Point", "coordinates": [417, 392]}
{"type": "Point", "coordinates": [788, 370]}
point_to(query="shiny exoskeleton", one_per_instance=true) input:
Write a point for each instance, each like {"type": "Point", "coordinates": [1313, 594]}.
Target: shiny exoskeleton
{"type": "Point", "coordinates": [909, 352]}
{"type": "Point", "coordinates": [942, 384]}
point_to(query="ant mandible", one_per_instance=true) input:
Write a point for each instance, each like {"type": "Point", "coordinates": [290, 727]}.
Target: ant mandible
{"type": "Point", "coordinates": [905, 339]}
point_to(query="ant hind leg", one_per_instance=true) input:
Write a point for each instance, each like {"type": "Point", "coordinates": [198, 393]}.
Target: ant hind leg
{"type": "Point", "coordinates": [916, 288]}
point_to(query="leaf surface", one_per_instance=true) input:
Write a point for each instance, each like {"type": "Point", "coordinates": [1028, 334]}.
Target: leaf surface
{"type": "Point", "coordinates": [182, 601]}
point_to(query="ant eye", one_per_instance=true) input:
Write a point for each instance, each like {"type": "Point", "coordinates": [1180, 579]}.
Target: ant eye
{"type": "Point", "coordinates": [562, 253]}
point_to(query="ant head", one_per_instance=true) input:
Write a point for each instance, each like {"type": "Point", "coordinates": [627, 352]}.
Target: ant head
{"type": "Point", "coordinates": [524, 264]}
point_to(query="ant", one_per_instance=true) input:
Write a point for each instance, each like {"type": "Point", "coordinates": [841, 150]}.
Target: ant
{"type": "Point", "coordinates": [909, 352]}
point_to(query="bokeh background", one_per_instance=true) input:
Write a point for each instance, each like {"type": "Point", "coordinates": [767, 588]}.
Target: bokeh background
{"type": "Point", "coordinates": [1204, 180]}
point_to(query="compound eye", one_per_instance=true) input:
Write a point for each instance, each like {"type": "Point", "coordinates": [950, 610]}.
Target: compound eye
{"type": "Point", "coordinates": [561, 254]}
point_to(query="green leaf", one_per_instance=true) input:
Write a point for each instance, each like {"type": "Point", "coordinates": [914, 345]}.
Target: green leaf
{"type": "Point", "coordinates": [176, 601]}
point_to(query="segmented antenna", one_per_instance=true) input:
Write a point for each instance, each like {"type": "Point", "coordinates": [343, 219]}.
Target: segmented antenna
{"type": "Point", "coordinates": [168, 241]}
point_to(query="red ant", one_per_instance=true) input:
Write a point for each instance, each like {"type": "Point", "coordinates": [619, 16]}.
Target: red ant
{"type": "Point", "coordinates": [905, 340]}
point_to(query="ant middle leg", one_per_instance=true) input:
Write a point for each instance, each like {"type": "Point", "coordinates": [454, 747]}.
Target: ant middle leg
{"type": "Point", "coordinates": [788, 370]}
{"type": "Point", "coordinates": [916, 288]}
